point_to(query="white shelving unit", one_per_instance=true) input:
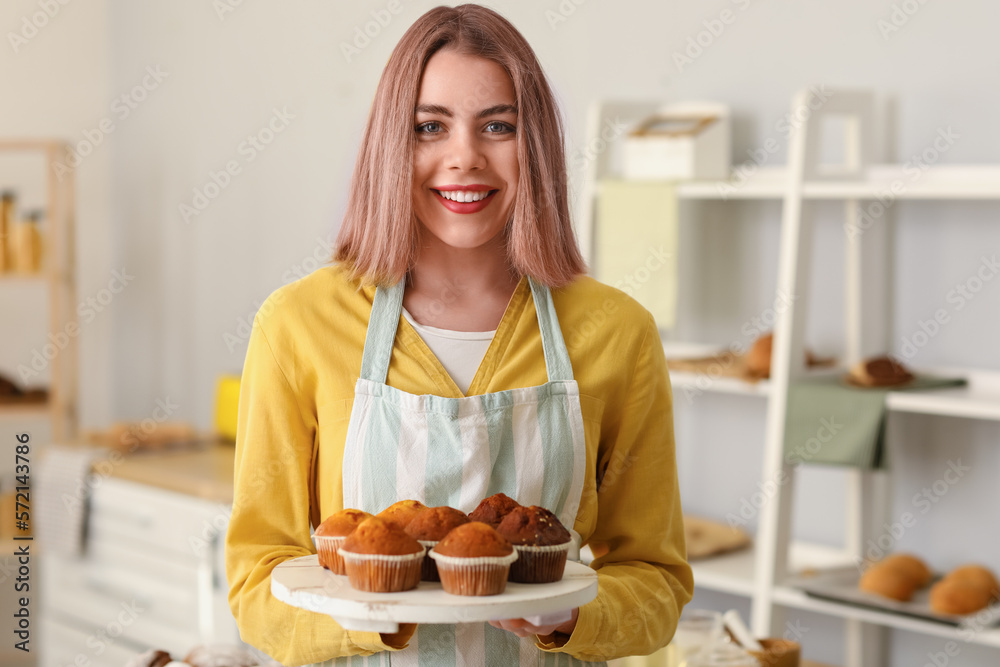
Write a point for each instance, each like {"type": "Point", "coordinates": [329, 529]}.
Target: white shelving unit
{"type": "Point", "coordinates": [759, 573]}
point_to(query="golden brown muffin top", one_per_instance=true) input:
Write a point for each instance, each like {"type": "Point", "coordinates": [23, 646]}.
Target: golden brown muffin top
{"type": "Point", "coordinates": [403, 512]}
{"type": "Point", "coordinates": [472, 540]}
{"type": "Point", "coordinates": [375, 536]}
{"type": "Point", "coordinates": [533, 526]}
{"type": "Point", "coordinates": [492, 510]}
{"type": "Point", "coordinates": [433, 524]}
{"type": "Point", "coordinates": [342, 523]}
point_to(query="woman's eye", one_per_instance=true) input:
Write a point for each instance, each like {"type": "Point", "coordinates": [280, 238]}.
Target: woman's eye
{"type": "Point", "coordinates": [499, 127]}
{"type": "Point", "coordinates": [430, 127]}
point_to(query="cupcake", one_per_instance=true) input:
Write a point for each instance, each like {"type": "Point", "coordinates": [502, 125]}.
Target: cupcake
{"type": "Point", "coordinates": [379, 557]}
{"type": "Point", "coordinates": [492, 510]}
{"type": "Point", "coordinates": [429, 528]}
{"type": "Point", "coordinates": [542, 543]}
{"type": "Point", "coordinates": [332, 533]}
{"type": "Point", "coordinates": [402, 512]}
{"type": "Point", "coordinates": [473, 559]}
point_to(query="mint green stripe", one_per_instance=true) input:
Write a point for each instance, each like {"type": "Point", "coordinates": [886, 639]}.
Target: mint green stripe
{"type": "Point", "coordinates": [436, 645]}
{"type": "Point", "coordinates": [550, 660]}
{"type": "Point", "coordinates": [557, 455]}
{"type": "Point", "coordinates": [380, 445]}
{"type": "Point", "coordinates": [443, 474]}
{"type": "Point", "coordinates": [498, 411]}
{"type": "Point", "coordinates": [502, 647]}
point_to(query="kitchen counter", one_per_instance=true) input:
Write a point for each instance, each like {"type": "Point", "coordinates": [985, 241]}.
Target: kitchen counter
{"type": "Point", "coordinates": [205, 473]}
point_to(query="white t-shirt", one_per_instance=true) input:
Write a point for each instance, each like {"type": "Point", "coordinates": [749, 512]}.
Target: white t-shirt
{"type": "Point", "coordinates": [460, 352]}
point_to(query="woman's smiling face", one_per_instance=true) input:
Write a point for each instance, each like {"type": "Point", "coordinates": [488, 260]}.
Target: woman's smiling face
{"type": "Point", "coordinates": [465, 167]}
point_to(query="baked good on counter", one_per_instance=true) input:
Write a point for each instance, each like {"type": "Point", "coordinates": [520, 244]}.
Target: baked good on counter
{"type": "Point", "coordinates": [881, 371]}
{"type": "Point", "coordinates": [429, 528]}
{"type": "Point", "coordinates": [492, 510]}
{"type": "Point", "coordinates": [473, 559]}
{"type": "Point", "coordinates": [380, 557]}
{"type": "Point", "coordinates": [541, 541]}
{"type": "Point", "coordinates": [331, 534]}
{"type": "Point", "coordinates": [402, 512]}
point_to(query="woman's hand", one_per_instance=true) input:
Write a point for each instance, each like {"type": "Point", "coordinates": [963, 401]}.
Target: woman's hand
{"type": "Point", "coordinates": [523, 628]}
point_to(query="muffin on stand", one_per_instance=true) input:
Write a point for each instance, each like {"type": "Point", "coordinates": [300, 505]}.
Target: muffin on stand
{"type": "Point", "coordinates": [492, 510]}
{"type": "Point", "coordinates": [402, 512]}
{"type": "Point", "coordinates": [473, 559]}
{"type": "Point", "coordinates": [331, 534]}
{"type": "Point", "coordinates": [380, 557]}
{"type": "Point", "coordinates": [541, 541]}
{"type": "Point", "coordinates": [429, 528]}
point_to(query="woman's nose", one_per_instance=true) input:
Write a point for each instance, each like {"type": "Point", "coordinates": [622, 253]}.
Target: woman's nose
{"type": "Point", "coordinates": [465, 151]}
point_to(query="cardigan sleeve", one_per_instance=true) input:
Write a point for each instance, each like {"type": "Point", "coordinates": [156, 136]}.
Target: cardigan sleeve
{"type": "Point", "coordinates": [643, 577]}
{"type": "Point", "coordinates": [275, 437]}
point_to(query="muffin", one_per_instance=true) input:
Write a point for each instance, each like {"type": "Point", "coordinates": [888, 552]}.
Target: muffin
{"type": "Point", "coordinates": [954, 596]}
{"type": "Point", "coordinates": [429, 528]}
{"type": "Point", "coordinates": [402, 512]}
{"type": "Point", "coordinates": [473, 559]}
{"type": "Point", "coordinates": [380, 557]}
{"type": "Point", "coordinates": [331, 534]}
{"type": "Point", "coordinates": [492, 510]}
{"type": "Point", "coordinates": [541, 541]}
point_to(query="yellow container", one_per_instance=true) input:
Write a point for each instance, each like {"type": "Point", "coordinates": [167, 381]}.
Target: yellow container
{"type": "Point", "coordinates": [227, 403]}
{"type": "Point", "coordinates": [26, 245]}
{"type": "Point", "coordinates": [6, 224]}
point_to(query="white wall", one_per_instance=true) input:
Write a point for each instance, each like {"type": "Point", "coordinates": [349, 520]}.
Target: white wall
{"type": "Point", "coordinates": [181, 321]}
{"type": "Point", "coordinates": [56, 83]}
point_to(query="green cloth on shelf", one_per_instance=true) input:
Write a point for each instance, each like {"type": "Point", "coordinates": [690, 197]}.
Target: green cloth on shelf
{"type": "Point", "coordinates": [830, 422]}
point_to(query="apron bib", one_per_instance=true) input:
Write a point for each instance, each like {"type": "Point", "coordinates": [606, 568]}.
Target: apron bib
{"type": "Point", "coordinates": [527, 443]}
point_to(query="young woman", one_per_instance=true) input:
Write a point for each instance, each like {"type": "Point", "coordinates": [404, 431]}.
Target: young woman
{"type": "Point", "coordinates": [455, 350]}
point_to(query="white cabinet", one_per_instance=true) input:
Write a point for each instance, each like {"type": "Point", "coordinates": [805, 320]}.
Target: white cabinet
{"type": "Point", "coordinates": [152, 577]}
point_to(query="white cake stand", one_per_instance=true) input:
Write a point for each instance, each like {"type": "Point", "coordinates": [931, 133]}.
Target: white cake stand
{"type": "Point", "coordinates": [302, 582]}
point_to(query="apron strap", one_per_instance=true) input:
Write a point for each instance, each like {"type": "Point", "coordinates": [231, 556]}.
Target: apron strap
{"type": "Point", "coordinates": [387, 306]}
{"type": "Point", "coordinates": [386, 309]}
{"type": "Point", "coordinates": [557, 361]}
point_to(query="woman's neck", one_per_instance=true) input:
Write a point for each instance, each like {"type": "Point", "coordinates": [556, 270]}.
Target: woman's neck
{"type": "Point", "coordinates": [461, 289]}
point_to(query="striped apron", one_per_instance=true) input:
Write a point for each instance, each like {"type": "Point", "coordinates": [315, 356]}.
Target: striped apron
{"type": "Point", "coordinates": [527, 443]}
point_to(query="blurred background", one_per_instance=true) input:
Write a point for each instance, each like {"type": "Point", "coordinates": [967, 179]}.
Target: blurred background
{"type": "Point", "coordinates": [211, 145]}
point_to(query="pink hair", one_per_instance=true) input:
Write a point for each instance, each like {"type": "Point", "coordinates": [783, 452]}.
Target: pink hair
{"type": "Point", "coordinates": [378, 237]}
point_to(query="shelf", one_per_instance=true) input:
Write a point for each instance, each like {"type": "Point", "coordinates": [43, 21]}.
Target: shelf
{"type": "Point", "coordinates": [792, 597]}
{"type": "Point", "coordinates": [734, 572]}
{"type": "Point", "coordinates": [939, 182]}
{"type": "Point", "coordinates": [979, 399]}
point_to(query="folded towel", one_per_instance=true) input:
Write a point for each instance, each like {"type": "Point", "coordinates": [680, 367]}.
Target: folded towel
{"type": "Point", "coordinates": [636, 244]}
{"type": "Point", "coordinates": [63, 487]}
{"type": "Point", "coordinates": [832, 423]}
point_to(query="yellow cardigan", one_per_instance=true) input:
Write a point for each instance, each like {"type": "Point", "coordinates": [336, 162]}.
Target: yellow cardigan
{"type": "Point", "coordinates": [296, 395]}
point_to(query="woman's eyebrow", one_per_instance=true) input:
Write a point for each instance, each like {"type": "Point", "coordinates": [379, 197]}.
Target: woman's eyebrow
{"type": "Point", "coordinates": [494, 110]}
